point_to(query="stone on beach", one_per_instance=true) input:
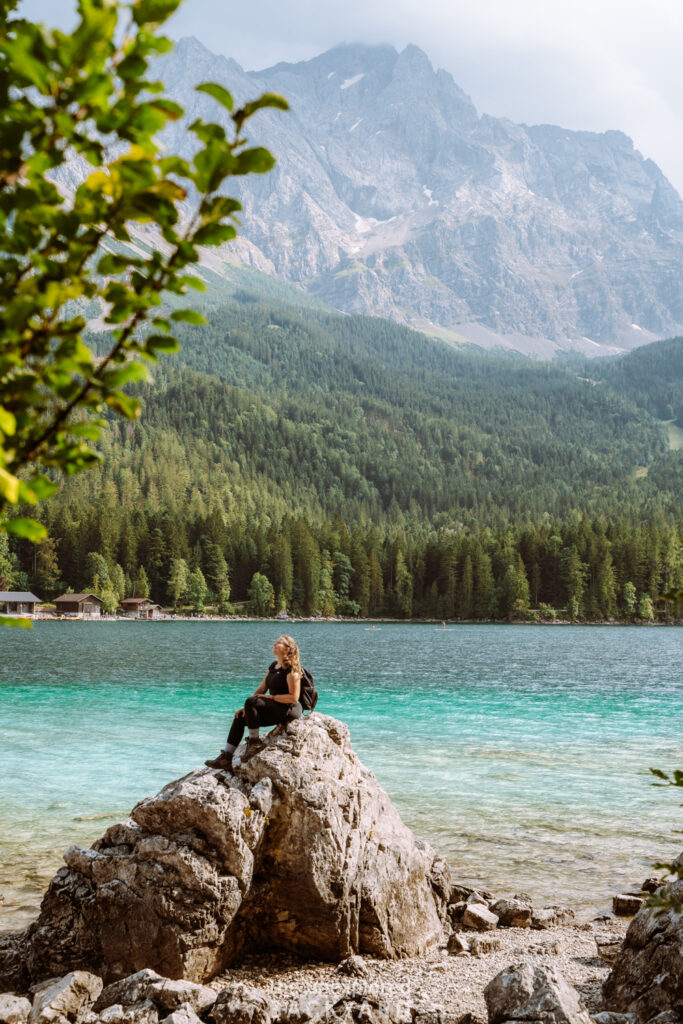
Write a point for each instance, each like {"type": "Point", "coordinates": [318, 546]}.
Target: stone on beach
{"type": "Point", "coordinates": [13, 1009]}
{"type": "Point", "coordinates": [514, 912]}
{"type": "Point", "coordinates": [301, 851]}
{"type": "Point", "coordinates": [524, 992]}
{"type": "Point", "coordinates": [626, 904]}
{"type": "Point", "coordinates": [66, 1000]}
{"type": "Point", "coordinates": [242, 1004]}
{"type": "Point", "coordinates": [478, 916]}
{"type": "Point", "coordinates": [647, 978]}
{"type": "Point", "coordinates": [183, 1015]}
{"type": "Point", "coordinates": [143, 1012]}
{"type": "Point", "coordinates": [548, 917]}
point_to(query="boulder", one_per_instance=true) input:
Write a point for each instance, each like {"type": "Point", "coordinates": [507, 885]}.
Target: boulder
{"type": "Point", "coordinates": [353, 967]}
{"type": "Point", "coordinates": [14, 974]}
{"type": "Point", "coordinates": [609, 947]}
{"type": "Point", "coordinates": [171, 995]}
{"type": "Point", "coordinates": [479, 917]}
{"type": "Point", "coordinates": [142, 1012]}
{"type": "Point", "coordinates": [66, 1000]}
{"type": "Point", "coordinates": [647, 978]}
{"type": "Point", "coordinates": [483, 944]}
{"type": "Point", "coordinates": [613, 1018]}
{"type": "Point", "coordinates": [513, 913]}
{"type": "Point", "coordinates": [457, 943]}
{"type": "Point", "coordinates": [300, 850]}
{"type": "Point", "coordinates": [183, 1015]}
{"type": "Point", "coordinates": [523, 992]}
{"type": "Point", "coordinates": [128, 990]}
{"type": "Point", "coordinates": [550, 917]}
{"type": "Point", "coordinates": [627, 903]}
{"type": "Point", "coordinates": [13, 1009]}
{"type": "Point", "coordinates": [241, 1004]}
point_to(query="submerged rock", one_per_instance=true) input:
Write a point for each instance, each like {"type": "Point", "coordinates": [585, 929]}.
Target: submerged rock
{"type": "Point", "coordinates": [301, 850]}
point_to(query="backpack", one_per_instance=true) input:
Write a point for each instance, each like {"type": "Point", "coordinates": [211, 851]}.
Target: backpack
{"type": "Point", "coordinates": [308, 695]}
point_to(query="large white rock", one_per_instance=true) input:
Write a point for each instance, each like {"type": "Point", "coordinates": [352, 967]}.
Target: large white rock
{"type": "Point", "coordinates": [13, 1009]}
{"type": "Point", "coordinates": [302, 850]}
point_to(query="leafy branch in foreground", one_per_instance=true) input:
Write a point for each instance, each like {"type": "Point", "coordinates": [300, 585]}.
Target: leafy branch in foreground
{"type": "Point", "coordinates": [665, 901]}
{"type": "Point", "coordinates": [85, 98]}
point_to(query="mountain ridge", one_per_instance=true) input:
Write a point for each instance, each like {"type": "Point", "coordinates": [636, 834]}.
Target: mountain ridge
{"type": "Point", "coordinates": [393, 197]}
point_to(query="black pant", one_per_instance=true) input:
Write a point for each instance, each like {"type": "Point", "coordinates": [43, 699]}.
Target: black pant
{"type": "Point", "coordinates": [260, 711]}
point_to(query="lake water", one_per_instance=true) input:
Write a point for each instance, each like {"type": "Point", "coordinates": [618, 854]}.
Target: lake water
{"type": "Point", "coordinates": [520, 753]}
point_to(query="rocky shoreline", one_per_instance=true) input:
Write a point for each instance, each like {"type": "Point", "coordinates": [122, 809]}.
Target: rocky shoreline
{"type": "Point", "coordinates": [290, 890]}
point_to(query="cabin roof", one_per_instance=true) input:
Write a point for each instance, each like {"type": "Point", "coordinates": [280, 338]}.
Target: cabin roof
{"type": "Point", "coordinates": [77, 597]}
{"type": "Point", "coordinates": [18, 595]}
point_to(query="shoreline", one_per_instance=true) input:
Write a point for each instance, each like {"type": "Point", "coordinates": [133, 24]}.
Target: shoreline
{"type": "Point", "coordinates": [342, 620]}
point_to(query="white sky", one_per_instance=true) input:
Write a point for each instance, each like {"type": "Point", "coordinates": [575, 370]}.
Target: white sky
{"type": "Point", "coordinates": [584, 64]}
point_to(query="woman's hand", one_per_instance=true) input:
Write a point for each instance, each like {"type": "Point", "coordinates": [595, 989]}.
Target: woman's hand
{"type": "Point", "coordinates": [239, 713]}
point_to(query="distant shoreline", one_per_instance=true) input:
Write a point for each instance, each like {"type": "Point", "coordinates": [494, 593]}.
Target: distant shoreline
{"type": "Point", "coordinates": [449, 623]}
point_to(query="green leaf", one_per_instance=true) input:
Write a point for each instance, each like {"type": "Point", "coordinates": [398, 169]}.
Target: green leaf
{"type": "Point", "coordinates": [153, 12]}
{"type": "Point", "coordinates": [42, 487]}
{"type": "Point", "coordinates": [218, 92]}
{"type": "Point", "coordinates": [188, 316]}
{"type": "Point", "coordinates": [254, 161]}
{"type": "Point", "coordinates": [162, 343]}
{"type": "Point", "coordinates": [269, 99]}
{"type": "Point", "coordinates": [214, 234]}
{"type": "Point", "coordinates": [29, 529]}
{"type": "Point", "coordinates": [8, 423]}
{"type": "Point", "coordinates": [123, 404]}
{"type": "Point", "coordinates": [7, 620]}
{"type": "Point", "coordinates": [9, 486]}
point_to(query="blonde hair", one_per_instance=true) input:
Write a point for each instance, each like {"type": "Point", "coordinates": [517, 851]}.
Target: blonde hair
{"type": "Point", "coordinates": [293, 660]}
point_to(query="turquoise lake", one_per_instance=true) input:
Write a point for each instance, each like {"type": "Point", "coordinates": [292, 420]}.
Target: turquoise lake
{"type": "Point", "coordinates": [519, 752]}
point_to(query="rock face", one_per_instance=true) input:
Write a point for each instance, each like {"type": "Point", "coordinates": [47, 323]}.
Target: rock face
{"type": "Point", "coordinates": [393, 196]}
{"type": "Point", "coordinates": [534, 994]}
{"type": "Point", "coordinates": [301, 850]}
{"type": "Point", "coordinates": [647, 978]}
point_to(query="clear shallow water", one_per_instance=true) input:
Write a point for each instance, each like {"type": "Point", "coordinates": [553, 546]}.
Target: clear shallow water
{"type": "Point", "coordinates": [518, 752]}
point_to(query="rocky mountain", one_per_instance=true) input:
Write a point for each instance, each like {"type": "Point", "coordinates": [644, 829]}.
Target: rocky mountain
{"type": "Point", "coordinates": [393, 197]}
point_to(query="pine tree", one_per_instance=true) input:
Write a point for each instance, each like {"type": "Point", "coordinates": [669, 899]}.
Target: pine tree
{"type": "Point", "coordinates": [141, 583]}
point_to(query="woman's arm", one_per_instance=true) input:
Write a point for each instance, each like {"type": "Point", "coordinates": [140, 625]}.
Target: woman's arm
{"type": "Point", "coordinates": [294, 684]}
{"type": "Point", "coordinates": [262, 688]}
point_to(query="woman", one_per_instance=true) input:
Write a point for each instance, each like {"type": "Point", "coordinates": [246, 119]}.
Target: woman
{"type": "Point", "coordinates": [274, 702]}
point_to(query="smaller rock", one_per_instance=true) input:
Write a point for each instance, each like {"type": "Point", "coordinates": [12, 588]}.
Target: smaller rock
{"type": "Point", "coordinates": [459, 893]}
{"type": "Point", "coordinates": [478, 916]}
{"type": "Point", "coordinates": [476, 897]}
{"type": "Point", "coordinates": [607, 1017]}
{"type": "Point", "coordinates": [171, 995]}
{"type": "Point", "coordinates": [183, 1015]}
{"type": "Point", "coordinates": [13, 1009]}
{"type": "Point", "coordinates": [550, 917]}
{"type": "Point", "coordinates": [456, 910]}
{"type": "Point", "coordinates": [457, 943]}
{"type": "Point", "coordinates": [524, 992]}
{"type": "Point", "coordinates": [353, 967]}
{"type": "Point", "coordinates": [513, 913]}
{"type": "Point", "coordinates": [128, 990]}
{"type": "Point", "coordinates": [609, 947]}
{"type": "Point", "coordinates": [667, 1017]}
{"type": "Point", "coordinates": [66, 1000]}
{"type": "Point", "coordinates": [651, 885]}
{"type": "Point", "coordinates": [307, 1007]}
{"type": "Point", "coordinates": [241, 1004]}
{"type": "Point", "coordinates": [483, 944]}
{"type": "Point", "coordinates": [626, 904]}
{"type": "Point", "coordinates": [144, 1012]}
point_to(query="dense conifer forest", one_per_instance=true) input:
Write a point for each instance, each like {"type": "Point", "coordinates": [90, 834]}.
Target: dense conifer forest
{"type": "Point", "coordinates": [326, 464]}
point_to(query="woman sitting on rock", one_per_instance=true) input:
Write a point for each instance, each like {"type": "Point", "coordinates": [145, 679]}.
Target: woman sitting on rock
{"type": "Point", "coordinates": [275, 702]}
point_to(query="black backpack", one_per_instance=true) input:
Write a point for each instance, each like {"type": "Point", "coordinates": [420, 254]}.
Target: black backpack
{"type": "Point", "coordinates": [308, 695]}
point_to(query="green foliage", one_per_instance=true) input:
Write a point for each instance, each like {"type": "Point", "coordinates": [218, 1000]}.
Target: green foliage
{"type": "Point", "coordinates": [663, 900]}
{"type": "Point", "coordinates": [261, 595]}
{"type": "Point", "coordinates": [89, 94]}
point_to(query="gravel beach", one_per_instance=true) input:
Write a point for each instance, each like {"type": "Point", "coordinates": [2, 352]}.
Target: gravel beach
{"type": "Point", "coordinates": [454, 984]}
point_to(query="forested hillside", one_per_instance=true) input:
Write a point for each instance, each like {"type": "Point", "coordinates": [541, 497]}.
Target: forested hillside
{"type": "Point", "coordinates": [651, 375]}
{"type": "Point", "coordinates": [328, 463]}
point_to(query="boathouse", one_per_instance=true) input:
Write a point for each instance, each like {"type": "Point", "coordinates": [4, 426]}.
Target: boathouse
{"type": "Point", "coordinates": [18, 602]}
{"type": "Point", "coordinates": [87, 605]}
{"type": "Point", "coordinates": [140, 608]}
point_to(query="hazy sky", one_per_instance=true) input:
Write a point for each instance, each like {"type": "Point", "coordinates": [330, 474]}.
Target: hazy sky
{"type": "Point", "coordinates": [584, 64]}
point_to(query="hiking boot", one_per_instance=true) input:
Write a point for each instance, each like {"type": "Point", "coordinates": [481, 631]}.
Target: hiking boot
{"type": "Point", "coordinates": [224, 761]}
{"type": "Point", "coordinates": [253, 747]}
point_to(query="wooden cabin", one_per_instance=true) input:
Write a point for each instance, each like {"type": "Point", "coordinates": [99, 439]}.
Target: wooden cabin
{"type": "Point", "coordinates": [140, 608]}
{"type": "Point", "coordinates": [87, 605]}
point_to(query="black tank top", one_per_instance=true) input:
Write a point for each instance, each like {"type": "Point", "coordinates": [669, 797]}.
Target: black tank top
{"type": "Point", "coordinates": [276, 680]}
